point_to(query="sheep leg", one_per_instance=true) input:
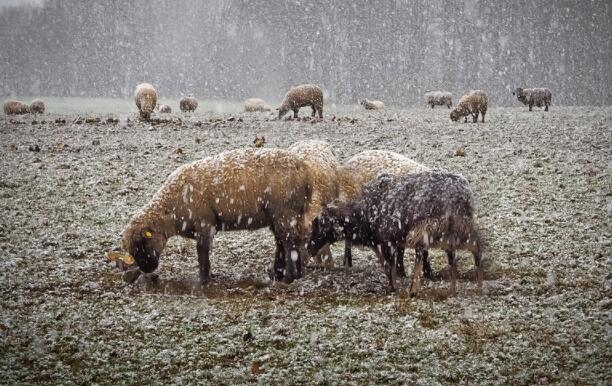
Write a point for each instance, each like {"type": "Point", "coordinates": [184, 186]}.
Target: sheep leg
{"type": "Point", "coordinates": [389, 255]}
{"type": "Point", "coordinates": [546, 107]}
{"type": "Point", "coordinates": [326, 256]}
{"type": "Point", "coordinates": [295, 113]}
{"type": "Point", "coordinates": [478, 264]}
{"type": "Point", "coordinates": [399, 261]}
{"type": "Point", "coordinates": [452, 261]}
{"type": "Point", "coordinates": [427, 272]}
{"type": "Point", "coordinates": [314, 111]}
{"type": "Point", "coordinates": [321, 111]}
{"type": "Point", "coordinates": [279, 260]}
{"type": "Point", "coordinates": [203, 249]}
{"type": "Point", "coordinates": [348, 253]}
{"type": "Point", "coordinates": [416, 274]}
{"type": "Point", "coordinates": [432, 105]}
{"type": "Point", "coordinates": [475, 117]}
{"type": "Point", "coordinates": [530, 106]}
{"type": "Point", "coordinates": [294, 251]}
{"type": "Point", "coordinates": [483, 114]}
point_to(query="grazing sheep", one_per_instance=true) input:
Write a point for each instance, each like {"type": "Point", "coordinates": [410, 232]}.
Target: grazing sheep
{"type": "Point", "coordinates": [256, 104]}
{"type": "Point", "coordinates": [12, 107]}
{"type": "Point", "coordinates": [188, 104]}
{"type": "Point", "coordinates": [237, 189]}
{"type": "Point", "coordinates": [472, 103]}
{"type": "Point", "coordinates": [320, 158]}
{"type": "Point", "coordinates": [439, 98]}
{"type": "Point", "coordinates": [37, 106]}
{"type": "Point", "coordinates": [372, 105]}
{"type": "Point", "coordinates": [423, 210]}
{"type": "Point", "coordinates": [164, 109]}
{"type": "Point", "coordinates": [365, 167]}
{"type": "Point", "coordinates": [301, 96]}
{"type": "Point", "coordinates": [534, 97]}
{"type": "Point", "coordinates": [146, 100]}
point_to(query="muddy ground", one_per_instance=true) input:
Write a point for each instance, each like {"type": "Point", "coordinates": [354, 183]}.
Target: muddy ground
{"type": "Point", "coordinates": [68, 186]}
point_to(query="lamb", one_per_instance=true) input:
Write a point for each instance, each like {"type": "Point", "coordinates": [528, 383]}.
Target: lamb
{"type": "Point", "coordinates": [365, 167]}
{"type": "Point", "coordinates": [188, 104]}
{"type": "Point", "coordinates": [256, 104]}
{"type": "Point", "coordinates": [474, 102]}
{"type": "Point", "coordinates": [237, 189]}
{"type": "Point", "coordinates": [534, 96]}
{"type": "Point", "coordinates": [324, 165]}
{"type": "Point", "coordinates": [164, 109]}
{"type": "Point", "coordinates": [431, 209]}
{"type": "Point", "coordinates": [439, 98]}
{"type": "Point", "coordinates": [146, 99]}
{"type": "Point", "coordinates": [12, 107]}
{"type": "Point", "coordinates": [37, 106]}
{"type": "Point", "coordinates": [301, 96]}
{"type": "Point", "coordinates": [372, 105]}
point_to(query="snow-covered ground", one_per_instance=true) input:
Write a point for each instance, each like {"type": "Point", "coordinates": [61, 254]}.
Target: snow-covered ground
{"type": "Point", "coordinates": [544, 186]}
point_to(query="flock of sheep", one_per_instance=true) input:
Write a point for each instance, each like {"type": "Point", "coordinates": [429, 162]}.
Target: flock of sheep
{"type": "Point", "coordinates": [309, 200]}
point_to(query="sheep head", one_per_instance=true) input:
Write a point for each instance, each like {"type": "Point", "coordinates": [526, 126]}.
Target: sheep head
{"type": "Point", "coordinates": [455, 115]}
{"type": "Point", "coordinates": [282, 111]}
{"type": "Point", "coordinates": [145, 243]}
{"type": "Point", "coordinates": [330, 226]}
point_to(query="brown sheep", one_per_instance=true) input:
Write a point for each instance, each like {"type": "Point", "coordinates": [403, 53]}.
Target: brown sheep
{"type": "Point", "coordinates": [372, 105]}
{"type": "Point", "coordinates": [472, 103]}
{"type": "Point", "coordinates": [439, 98]}
{"type": "Point", "coordinates": [37, 106]}
{"type": "Point", "coordinates": [324, 166]}
{"type": "Point", "coordinates": [256, 104]}
{"type": "Point", "coordinates": [301, 96]}
{"type": "Point", "coordinates": [146, 99]}
{"type": "Point", "coordinates": [365, 167]}
{"type": "Point", "coordinates": [237, 189]}
{"type": "Point", "coordinates": [534, 97]}
{"type": "Point", "coordinates": [12, 107]}
{"type": "Point", "coordinates": [188, 104]}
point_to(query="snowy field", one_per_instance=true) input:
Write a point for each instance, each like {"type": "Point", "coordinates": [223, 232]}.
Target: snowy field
{"type": "Point", "coordinates": [544, 186]}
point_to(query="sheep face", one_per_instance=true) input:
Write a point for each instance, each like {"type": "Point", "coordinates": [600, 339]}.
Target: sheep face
{"type": "Point", "coordinates": [282, 111]}
{"type": "Point", "coordinates": [145, 245]}
{"type": "Point", "coordinates": [520, 94]}
{"type": "Point", "coordinates": [455, 115]}
{"type": "Point", "coordinates": [330, 226]}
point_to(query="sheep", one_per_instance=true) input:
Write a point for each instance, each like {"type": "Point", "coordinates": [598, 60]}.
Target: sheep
{"type": "Point", "coordinates": [472, 103]}
{"type": "Point", "coordinates": [164, 109]}
{"type": "Point", "coordinates": [534, 96]}
{"type": "Point", "coordinates": [324, 166]}
{"type": "Point", "coordinates": [12, 107]}
{"type": "Point", "coordinates": [259, 141]}
{"type": "Point", "coordinates": [432, 209]}
{"type": "Point", "coordinates": [372, 105]}
{"type": "Point", "coordinates": [256, 104]}
{"type": "Point", "coordinates": [146, 99]}
{"type": "Point", "coordinates": [365, 167]}
{"type": "Point", "coordinates": [37, 106]}
{"type": "Point", "coordinates": [439, 98]}
{"type": "Point", "coordinates": [237, 189]}
{"type": "Point", "coordinates": [188, 104]}
{"type": "Point", "coordinates": [300, 96]}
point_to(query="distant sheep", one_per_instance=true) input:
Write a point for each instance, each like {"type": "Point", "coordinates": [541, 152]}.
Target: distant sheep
{"type": "Point", "coordinates": [365, 167]}
{"type": "Point", "coordinates": [473, 103]}
{"type": "Point", "coordinates": [301, 96]}
{"type": "Point", "coordinates": [256, 104]}
{"type": "Point", "coordinates": [372, 105]}
{"type": "Point", "coordinates": [324, 165]}
{"type": "Point", "coordinates": [12, 107]}
{"type": "Point", "coordinates": [165, 109]}
{"type": "Point", "coordinates": [439, 98]}
{"type": "Point", "coordinates": [237, 189]}
{"type": "Point", "coordinates": [421, 211]}
{"type": "Point", "coordinates": [188, 104]}
{"type": "Point", "coordinates": [259, 141]}
{"type": "Point", "coordinates": [146, 100]}
{"type": "Point", "coordinates": [37, 106]}
{"type": "Point", "coordinates": [534, 97]}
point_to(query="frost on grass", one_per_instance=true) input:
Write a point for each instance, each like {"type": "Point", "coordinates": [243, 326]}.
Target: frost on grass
{"type": "Point", "coordinates": [66, 315]}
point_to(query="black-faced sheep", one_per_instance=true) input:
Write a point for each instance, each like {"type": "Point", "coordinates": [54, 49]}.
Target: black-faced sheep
{"type": "Point", "coordinates": [372, 105]}
{"type": "Point", "coordinates": [238, 189]}
{"type": "Point", "coordinates": [473, 103]}
{"type": "Point", "coordinates": [256, 104]}
{"type": "Point", "coordinates": [301, 96]}
{"type": "Point", "coordinates": [320, 158]}
{"type": "Point", "coordinates": [12, 107]}
{"type": "Point", "coordinates": [188, 104]}
{"type": "Point", "coordinates": [421, 211]}
{"type": "Point", "coordinates": [164, 109]}
{"type": "Point", "coordinates": [146, 99]}
{"type": "Point", "coordinates": [365, 167]}
{"type": "Point", "coordinates": [534, 97]}
{"type": "Point", "coordinates": [439, 98]}
{"type": "Point", "coordinates": [37, 106]}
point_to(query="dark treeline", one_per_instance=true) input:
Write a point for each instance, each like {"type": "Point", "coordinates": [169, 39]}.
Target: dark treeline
{"type": "Point", "coordinates": [391, 50]}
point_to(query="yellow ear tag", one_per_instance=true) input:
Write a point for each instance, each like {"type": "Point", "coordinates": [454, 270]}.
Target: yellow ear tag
{"type": "Point", "coordinates": [148, 234]}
